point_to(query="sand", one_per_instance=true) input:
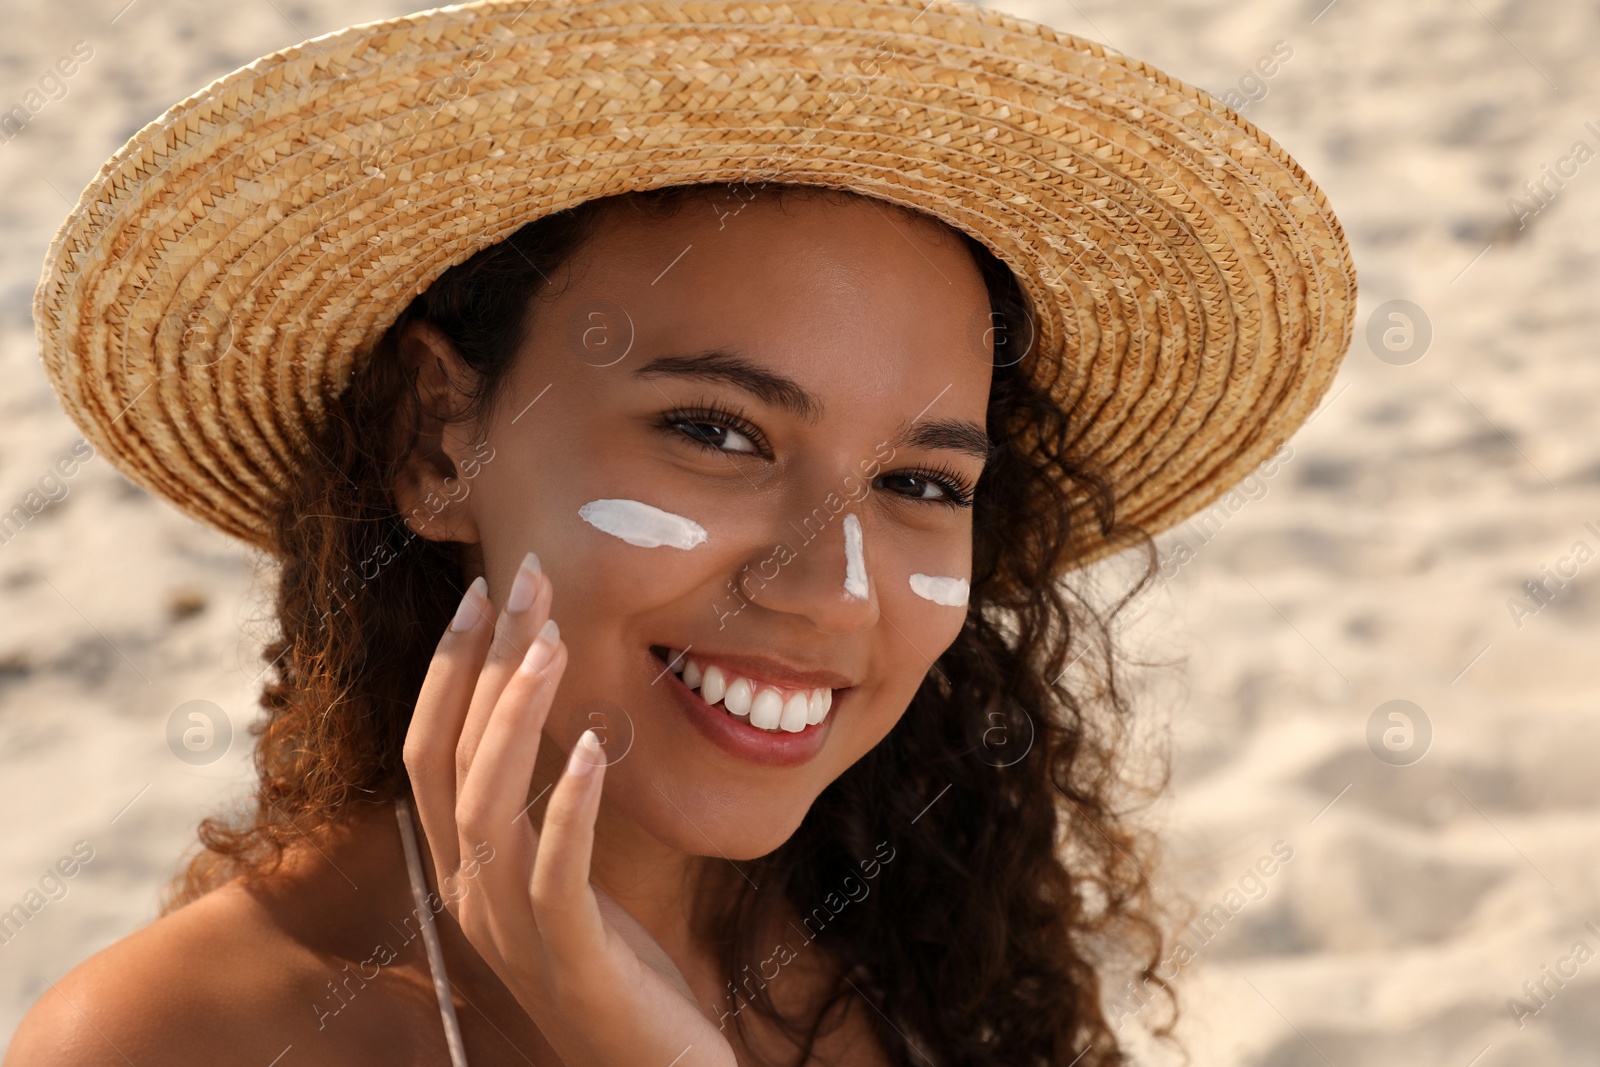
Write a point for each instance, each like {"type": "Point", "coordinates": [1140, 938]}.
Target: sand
{"type": "Point", "coordinates": [1411, 906]}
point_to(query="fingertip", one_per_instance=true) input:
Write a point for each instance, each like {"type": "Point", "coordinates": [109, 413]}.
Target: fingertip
{"type": "Point", "coordinates": [587, 755]}
{"type": "Point", "coordinates": [473, 608]}
{"type": "Point", "coordinates": [545, 658]}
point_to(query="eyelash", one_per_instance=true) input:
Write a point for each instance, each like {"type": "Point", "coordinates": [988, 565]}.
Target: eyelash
{"type": "Point", "coordinates": [958, 491]}
{"type": "Point", "coordinates": [717, 414]}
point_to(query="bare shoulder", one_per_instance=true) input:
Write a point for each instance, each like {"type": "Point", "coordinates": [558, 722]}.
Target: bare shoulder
{"type": "Point", "coordinates": [245, 974]}
{"type": "Point", "coordinates": [187, 988]}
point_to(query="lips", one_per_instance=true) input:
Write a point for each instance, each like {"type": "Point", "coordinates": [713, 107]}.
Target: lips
{"type": "Point", "coordinates": [765, 704]}
{"type": "Point", "coordinates": [735, 735]}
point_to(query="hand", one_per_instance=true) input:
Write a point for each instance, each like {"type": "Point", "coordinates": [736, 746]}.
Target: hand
{"type": "Point", "coordinates": [602, 991]}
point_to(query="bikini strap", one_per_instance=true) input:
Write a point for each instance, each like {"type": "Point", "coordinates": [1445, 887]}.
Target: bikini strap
{"type": "Point", "coordinates": [430, 936]}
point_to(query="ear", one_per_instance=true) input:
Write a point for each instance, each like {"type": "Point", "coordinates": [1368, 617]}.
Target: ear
{"type": "Point", "coordinates": [429, 487]}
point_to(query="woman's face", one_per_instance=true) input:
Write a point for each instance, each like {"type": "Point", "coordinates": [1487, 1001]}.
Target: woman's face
{"type": "Point", "coordinates": [849, 339]}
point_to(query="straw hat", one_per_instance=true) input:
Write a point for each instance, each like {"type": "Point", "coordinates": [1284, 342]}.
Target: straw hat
{"type": "Point", "coordinates": [232, 264]}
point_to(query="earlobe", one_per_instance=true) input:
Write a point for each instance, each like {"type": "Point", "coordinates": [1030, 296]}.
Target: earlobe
{"type": "Point", "coordinates": [441, 514]}
{"type": "Point", "coordinates": [434, 501]}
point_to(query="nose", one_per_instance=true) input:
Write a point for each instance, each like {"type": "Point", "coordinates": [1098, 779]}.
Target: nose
{"type": "Point", "coordinates": [820, 567]}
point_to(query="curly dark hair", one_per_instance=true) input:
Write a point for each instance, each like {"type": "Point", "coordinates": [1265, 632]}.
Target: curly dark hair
{"type": "Point", "coordinates": [1015, 878]}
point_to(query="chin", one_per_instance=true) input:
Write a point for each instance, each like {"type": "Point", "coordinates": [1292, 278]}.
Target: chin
{"type": "Point", "coordinates": [706, 818]}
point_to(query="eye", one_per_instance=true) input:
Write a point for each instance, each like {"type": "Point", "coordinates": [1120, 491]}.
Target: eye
{"type": "Point", "coordinates": [715, 426]}
{"type": "Point", "coordinates": [954, 490]}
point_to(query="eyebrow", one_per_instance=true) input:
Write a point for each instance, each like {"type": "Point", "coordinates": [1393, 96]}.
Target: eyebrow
{"type": "Point", "coordinates": [956, 435]}
{"type": "Point", "coordinates": [731, 368]}
{"type": "Point", "coordinates": [781, 391]}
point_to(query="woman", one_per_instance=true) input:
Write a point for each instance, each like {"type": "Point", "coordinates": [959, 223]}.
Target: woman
{"type": "Point", "coordinates": [788, 474]}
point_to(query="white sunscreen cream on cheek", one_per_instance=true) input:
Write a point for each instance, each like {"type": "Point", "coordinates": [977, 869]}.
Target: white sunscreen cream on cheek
{"type": "Point", "coordinates": [641, 524]}
{"type": "Point", "coordinates": [952, 592]}
{"type": "Point", "coordinates": [855, 564]}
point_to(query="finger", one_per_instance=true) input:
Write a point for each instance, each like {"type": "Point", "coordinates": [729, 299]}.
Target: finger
{"type": "Point", "coordinates": [442, 703]}
{"type": "Point", "coordinates": [494, 798]}
{"type": "Point", "coordinates": [564, 906]}
{"type": "Point", "coordinates": [526, 609]}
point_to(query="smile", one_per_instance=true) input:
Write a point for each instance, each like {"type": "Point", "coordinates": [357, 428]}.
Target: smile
{"type": "Point", "coordinates": [762, 704]}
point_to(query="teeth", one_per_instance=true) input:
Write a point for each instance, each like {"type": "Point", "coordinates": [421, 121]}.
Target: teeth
{"type": "Point", "coordinates": [766, 707]}
{"type": "Point", "coordinates": [737, 698]}
{"type": "Point", "coordinates": [766, 711]}
{"type": "Point", "coordinates": [713, 685]}
{"type": "Point", "coordinates": [795, 712]}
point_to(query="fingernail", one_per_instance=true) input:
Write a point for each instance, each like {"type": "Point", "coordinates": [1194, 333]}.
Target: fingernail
{"type": "Point", "coordinates": [585, 754]}
{"type": "Point", "coordinates": [523, 587]}
{"type": "Point", "coordinates": [468, 614]}
{"type": "Point", "coordinates": [543, 647]}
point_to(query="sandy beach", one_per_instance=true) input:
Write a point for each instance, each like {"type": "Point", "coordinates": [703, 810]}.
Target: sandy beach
{"type": "Point", "coordinates": [1378, 658]}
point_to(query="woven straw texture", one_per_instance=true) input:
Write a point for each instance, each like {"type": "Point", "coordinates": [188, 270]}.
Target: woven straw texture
{"type": "Point", "coordinates": [229, 267]}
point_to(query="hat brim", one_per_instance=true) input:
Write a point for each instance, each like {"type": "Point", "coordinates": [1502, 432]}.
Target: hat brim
{"type": "Point", "coordinates": [231, 265]}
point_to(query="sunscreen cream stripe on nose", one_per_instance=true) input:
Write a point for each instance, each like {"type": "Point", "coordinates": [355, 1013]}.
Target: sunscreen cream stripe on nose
{"type": "Point", "coordinates": [855, 564]}
{"type": "Point", "coordinates": [952, 592]}
{"type": "Point", "coordinates": [641, 524]}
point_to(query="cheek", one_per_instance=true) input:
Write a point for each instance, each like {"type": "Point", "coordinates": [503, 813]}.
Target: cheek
{"type": "Point", "coordinates": [926, 577]}
{"type": "Point", "coordinates": [922, 582]}
{"type": "Point", "coordinates": [622, 557]}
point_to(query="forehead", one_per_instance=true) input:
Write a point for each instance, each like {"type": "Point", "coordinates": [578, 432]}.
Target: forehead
{"type": "Point", "coordinates": [848, 295]}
